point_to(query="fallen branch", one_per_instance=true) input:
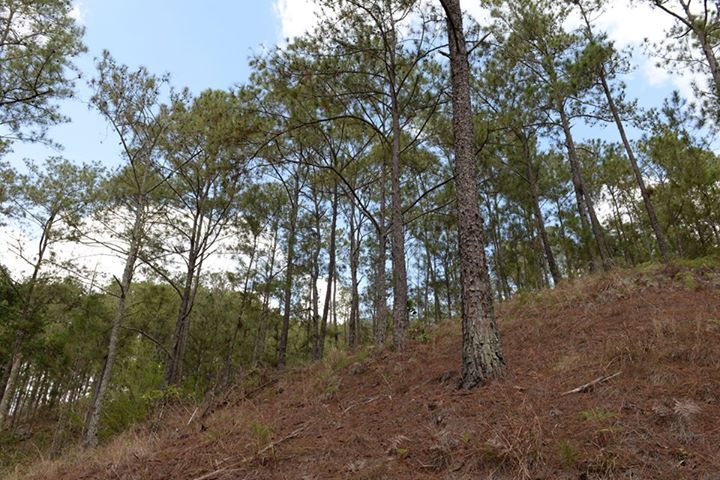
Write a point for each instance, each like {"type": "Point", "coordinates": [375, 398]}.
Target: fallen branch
{"type": "Point", "coordinates": [274, 444]}
{"type": "Point", "coordinates": [250, 394]}
{"type": "Point", "coordinates": [271, 445]}
{"type": "Point", "coordinates": [192, 416]}
{"type": "Point", "coordinates": [364, 402]}
{"type": "Point", "coordinates": [590, 385]}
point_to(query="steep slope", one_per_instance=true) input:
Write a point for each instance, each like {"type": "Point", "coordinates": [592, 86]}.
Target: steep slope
{"type": "Point", "coordinates": [387, 415]}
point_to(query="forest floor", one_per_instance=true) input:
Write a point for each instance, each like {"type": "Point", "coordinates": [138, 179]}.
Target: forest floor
{"type": "Point", "coordinates": [388, 415]}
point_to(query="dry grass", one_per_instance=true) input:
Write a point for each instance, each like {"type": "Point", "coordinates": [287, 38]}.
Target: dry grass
{"type": "Point", "coordinates": [398, 415]}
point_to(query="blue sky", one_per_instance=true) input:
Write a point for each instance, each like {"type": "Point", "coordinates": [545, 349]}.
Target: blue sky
{"type": "Point", "coordinates": [206, 44]}
{"type": "Point", "coordinates": [202, 44]}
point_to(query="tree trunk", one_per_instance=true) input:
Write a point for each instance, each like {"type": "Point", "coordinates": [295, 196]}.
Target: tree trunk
{"type": "Point", "coordinates": [649, 207]}
{"type": "Point", "coordinates": [331, 274]}
{"type": "Point", "coordinates": [540, 221]}
{"type": "Point", "coordinates": [585, 203]}
{"type": "Point", "coordinates": [353, 333]}
{"type": "Point", "coordinates": [260, 338]}
{"type": "Point", "coordinates": [9, 391]}
{"type": "Point", "coordinates": [290, 259]}
{"type": "Point", "coordinates": [243, 304]}
{"type": "Point", "coordinates": [92, 419]}
{"type": "Point", "coordinates": [381, 308]}
{"type": "Point", "coordinates": [400, 288]}
{"type": "Point", "coordinates": [173, 374]}
{"type": "Point", "coordinates": [314, 277]}
{"type": "Point", "coordinates": [482, 357]}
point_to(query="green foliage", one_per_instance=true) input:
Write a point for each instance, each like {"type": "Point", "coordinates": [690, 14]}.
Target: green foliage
{"type": "Point", "coordinates": [569, 454]}
{"type": "Point", "coordinates": [261, 432]}
{"type": "Point", "coordinates": [39, 41]}
{"type": "Point", "coordinates": [597, 414]}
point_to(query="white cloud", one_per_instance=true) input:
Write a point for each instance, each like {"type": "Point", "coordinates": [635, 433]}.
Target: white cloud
{"type": "Point", "coordinates": [296, 16]}
{"type": "Point", "coordinates": [78, 12]}
{"type": "Point", "coordinates": [629, 24]}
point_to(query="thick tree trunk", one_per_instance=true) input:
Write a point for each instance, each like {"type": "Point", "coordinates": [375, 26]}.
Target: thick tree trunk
{"type": "Point", "coordinates": [400, 288]}
{"type": "Point", "coordinates": [482, 357]}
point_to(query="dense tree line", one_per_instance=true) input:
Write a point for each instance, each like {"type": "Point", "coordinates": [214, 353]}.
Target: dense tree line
{"type": "Point", "coordinates": [398, 163]}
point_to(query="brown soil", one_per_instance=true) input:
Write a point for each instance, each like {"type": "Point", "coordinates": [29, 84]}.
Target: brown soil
{"type": "Point", "coordinates": [389, 415]}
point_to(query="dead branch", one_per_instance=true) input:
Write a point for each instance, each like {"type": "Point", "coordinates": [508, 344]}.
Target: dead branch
{"type": "Point", "coordinates": [364, 402]}
{"type": "Point", "coordinates": [590, 385]}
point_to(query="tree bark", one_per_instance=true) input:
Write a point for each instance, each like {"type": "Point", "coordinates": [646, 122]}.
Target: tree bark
{"type": "Point", "coordinates": [585, 203]}
{"type": "Point", "coordinates": [290, 258]}
{"type": "Point", "coordinates": [173, 374]}
{"type": "Point", "coordinates": [331, 274]}
{"type": "Point", "coordinates": [400, 289]}
{"type": "Point", "coordinates": [353, 333]}
{"type": "Point", "coordinates": [92, 419]}
{"type": "Point", "coordinates": [314, 277]}
{"type": "Point", "coordinates": [482, 357]}
{"type": "Point", "coordinates": [381, 308]}
{"type": "Point", "coordinates": [17, 358]}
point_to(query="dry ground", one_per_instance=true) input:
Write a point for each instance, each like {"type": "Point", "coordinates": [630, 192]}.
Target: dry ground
{"type": "Point", "coordinates": [388, 415]}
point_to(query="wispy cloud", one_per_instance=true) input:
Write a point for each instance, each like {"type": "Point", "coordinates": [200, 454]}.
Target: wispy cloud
{"type": "Point", "coordinates": [78, 12]}
{"type": "Point", "coordinates": [296, 17]}
{"type": "Point", "coordinates": [630, 24]}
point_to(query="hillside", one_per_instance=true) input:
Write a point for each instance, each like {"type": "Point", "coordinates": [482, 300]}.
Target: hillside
{"type": "Point", "coordinates": [386, 415]}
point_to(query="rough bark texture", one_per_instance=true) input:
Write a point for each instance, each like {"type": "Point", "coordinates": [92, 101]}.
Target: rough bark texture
{"type": "Point", "coordinates": [381, 309]}
{"type": "Point", "coordinates": [400, 289]}
{"type": "Point", "coordinates": [482, 357]}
